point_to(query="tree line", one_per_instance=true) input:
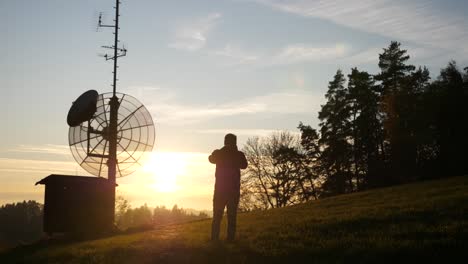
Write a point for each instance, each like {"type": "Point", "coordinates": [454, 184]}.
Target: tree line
{"type": "Point", "coordinates": [146, 217]}
{"type": "Point", "coordinates": [375, 130]}
{"type": "Point", "coordinates": [22, 222]}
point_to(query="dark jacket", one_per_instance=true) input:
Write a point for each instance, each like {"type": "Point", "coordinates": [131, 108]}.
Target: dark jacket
{"type": "Point", "coordinates": [229, 161]}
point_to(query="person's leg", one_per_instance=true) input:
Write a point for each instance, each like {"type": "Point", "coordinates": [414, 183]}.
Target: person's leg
{"type": "Point", "coordinates": [232, 205]}
{"type": "Point", "coordinates": [218, 210]}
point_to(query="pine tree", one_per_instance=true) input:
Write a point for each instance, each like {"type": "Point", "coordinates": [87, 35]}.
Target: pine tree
{"type": "Point", "coordinates": [366, 128]}
{"type": "Point", "coordinates": [452, 120]}
{"type": "Point", "coordinates": [396, 90]}
{"type": "Point", "coordinates": [416, 119]}
{"type": "Point", "coordinates": [394, 70]}
{"type": "Point", "coordinates": [335, 131]}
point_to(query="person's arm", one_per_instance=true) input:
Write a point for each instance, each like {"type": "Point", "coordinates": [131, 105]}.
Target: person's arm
{"type": "Point", "coordinates": [213, 158]}
{"type": "Point", "coordinates": [242, 160]}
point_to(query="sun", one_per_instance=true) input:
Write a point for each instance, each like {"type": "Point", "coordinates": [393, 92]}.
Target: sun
{"type": "Point", "coordinates": [165, 167]}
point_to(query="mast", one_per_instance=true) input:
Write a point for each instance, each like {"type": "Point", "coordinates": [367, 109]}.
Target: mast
{"type": "Point", "coordinates": [116, 43]}
{"type": "Point", "coordinates": [114, 105]}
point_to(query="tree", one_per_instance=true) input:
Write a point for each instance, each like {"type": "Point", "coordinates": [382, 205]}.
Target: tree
{"type": "Point", "coordinates": [271, 180]}
{"type": "Point", "coordinates": [309, 180]}
{"type": "Point", "coordinates": [393, 68]}
{"type": "Point", "coordinates": [335, 130]}
{"type": "Point", "coordinates": [417, 117]}
{"type": "Point", "coordinates": [121, 207]}
{"type": "Point", "coordinates": [397, 91]}
{"type": "Point", "coordinates": [137, 217]}
{"type": "Point", "coordinates": [21, 222]}
{"type": "Point", "coordinates": [450, 120]}
{"type": "Point", "coordinates": [367, 133]}
{"type": "Point", "coordinates": [254, 191]}
{"type": "Point", "coordinates": [298, 173]}
{"type": "Point", "coordinates": [162, 215]}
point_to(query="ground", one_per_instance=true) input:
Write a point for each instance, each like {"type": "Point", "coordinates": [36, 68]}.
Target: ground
{"type": "Point", "coordinates": [420, 222]}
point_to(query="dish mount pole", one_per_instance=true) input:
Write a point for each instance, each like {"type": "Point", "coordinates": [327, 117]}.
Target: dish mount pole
{"type": "Point", "coordinates": [114, 103]}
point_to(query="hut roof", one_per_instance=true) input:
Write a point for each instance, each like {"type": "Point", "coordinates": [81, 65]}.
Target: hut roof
{"type": "Point", "coordinates": [67, 179]}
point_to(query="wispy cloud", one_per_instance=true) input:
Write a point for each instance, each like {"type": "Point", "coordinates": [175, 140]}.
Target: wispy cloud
{"type": "Point", "coordinates": [290, 102]}
{"type": "Point", "coordinates": [301, 52]}
{"type": "Point", "coordinates": [172, 112]}
{"type": "Point", "coordinates": [417, 21]}
{"type": "Point", "coordinates": [193, 35]}
{"type": "Point", "coordinates": [15, 196]}
{"type": "Point", "coordinates": [241, 132]}
{"type": "Point", "coordinates": [43, 149]}
{"type": "Point", "coordinates": [44, 167]}
{"type": "Point", "coordinates": [368, 56]}
{"type": "Point", "coordinates": [289, 54]}
{"type": "Point", "coordinates": [238, 55]}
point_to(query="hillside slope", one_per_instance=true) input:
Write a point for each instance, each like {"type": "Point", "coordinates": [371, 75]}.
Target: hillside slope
{"type": "Point", "coordinates": [421, 222]}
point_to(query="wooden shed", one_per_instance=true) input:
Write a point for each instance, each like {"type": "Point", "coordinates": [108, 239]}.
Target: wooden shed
{"type": "Point", "coordinates": [77, 204]}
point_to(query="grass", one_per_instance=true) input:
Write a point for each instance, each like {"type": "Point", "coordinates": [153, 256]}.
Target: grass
{"type": "Point", "coordinates": [421, 222]}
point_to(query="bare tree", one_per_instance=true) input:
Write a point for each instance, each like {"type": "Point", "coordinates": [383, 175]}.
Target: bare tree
{"type": "Point", "coordinates": [272, 178]}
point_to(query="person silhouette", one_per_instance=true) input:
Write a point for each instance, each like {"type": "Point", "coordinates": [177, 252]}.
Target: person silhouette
{"type": "Point", "coordinates": [229, 161]}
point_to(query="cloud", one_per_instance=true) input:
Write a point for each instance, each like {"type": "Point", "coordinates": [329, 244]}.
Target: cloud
{"type": "Point", "coordinates": [289, 54]}
{"type": "Point", "coordinates": [235, 53]}
{"type": "Point", "coordinates": [287, 102]}
{"type": "Point", "coordinates": [43, 149]}
{"type": "Point", "coordinates": [44, 167]}
{"type": "Point", "coordinates": [241, 132]}
{"type": "Point", "coordinates": [173, 112]}
{"type": "Point", "coordinates": [301, 52]}
{"type": "Point", "coordinates": [193, 35]}
{"type": "Point", "coordinates": [15, 197]}
{"type": "Point", "coordinates": [368, 56]}
{"type": "Point", "coordinates": [417, 21]}
{"type": "Point", "coordinates": [141, 92]}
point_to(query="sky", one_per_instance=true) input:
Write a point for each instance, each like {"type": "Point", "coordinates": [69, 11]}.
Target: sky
{"type": "Point", "coordinates": [202, 68]}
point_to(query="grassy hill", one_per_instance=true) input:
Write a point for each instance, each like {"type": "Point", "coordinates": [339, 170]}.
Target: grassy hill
{"type": "Point", "coordinates": [421, 222]}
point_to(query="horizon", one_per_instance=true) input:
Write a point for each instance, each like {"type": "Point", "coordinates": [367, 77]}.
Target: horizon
{"type": "Point", "coordinates": [202, 69]}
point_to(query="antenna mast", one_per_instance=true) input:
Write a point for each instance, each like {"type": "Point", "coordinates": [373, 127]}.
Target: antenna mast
{"type": "Point", "coordinates": [118, 52]}
{"type": "Point", "coordinates": [114, 101]}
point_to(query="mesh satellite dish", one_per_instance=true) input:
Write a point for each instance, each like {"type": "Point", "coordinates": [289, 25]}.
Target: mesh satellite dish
{"type": "Point", "coordinates": [89, 140]}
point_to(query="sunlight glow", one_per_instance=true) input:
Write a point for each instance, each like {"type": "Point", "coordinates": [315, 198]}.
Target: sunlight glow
{"type": "Point", "coordinates": [165, 168]}
{"type": "Point", "coordinates": [167, 178]}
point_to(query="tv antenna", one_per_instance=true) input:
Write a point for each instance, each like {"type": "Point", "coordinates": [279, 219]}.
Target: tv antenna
{"type": "Point", "coordinates": [114, 102]}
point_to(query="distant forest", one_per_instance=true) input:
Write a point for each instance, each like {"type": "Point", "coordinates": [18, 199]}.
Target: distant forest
{"type": "Point", "coordinates": [21, 223]}
{"type": "Point", "coordinates": [392, 127]}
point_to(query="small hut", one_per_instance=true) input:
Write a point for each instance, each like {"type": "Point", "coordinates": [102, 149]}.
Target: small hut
{"type": "Point", "coordinates": [77, 204]}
